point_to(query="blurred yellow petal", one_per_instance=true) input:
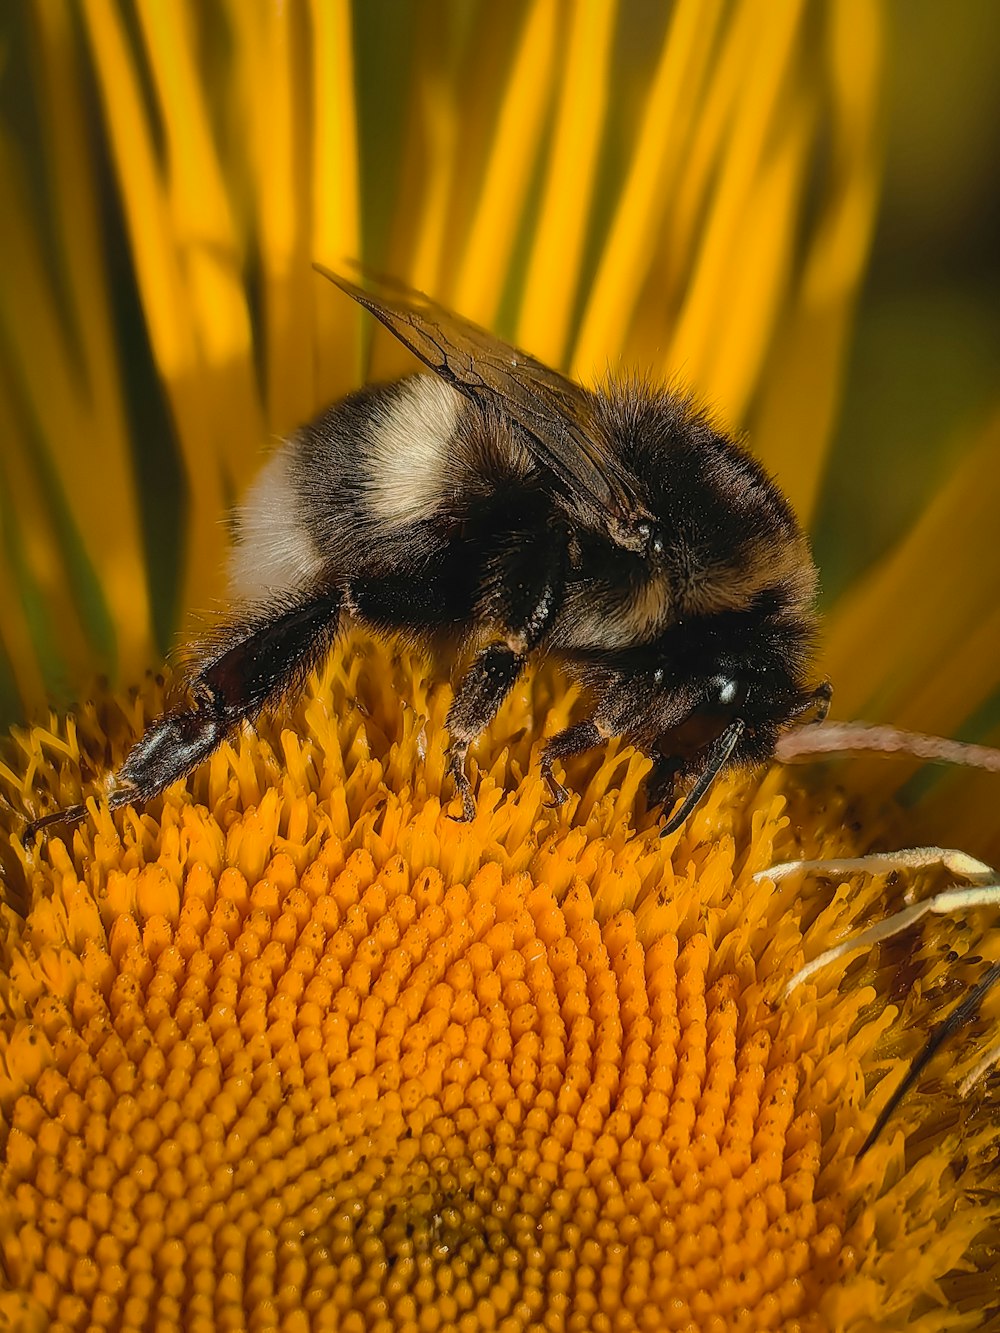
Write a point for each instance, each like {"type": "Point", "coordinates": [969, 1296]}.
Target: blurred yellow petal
{"type": "Point", "coordinates": [758, 273]}
{"type": "Point", "coordinates": [336, 216]}
{"type": "Point", "coordinates": [204, 238]}
{"type": "Point", "coordinates": [478, 284]}
{"type": "Point", "coordinates": [646, 193]}
{"type": "Point", "coordinates": [32, 567]}
{"type": "Point", "coordinates": [145, 198]}
{"type": "Point", "coordinates": [18, 637]}
{"type": "Point", "coordinates": [907, 669]}
{"type": "Point", "coordinates": [553, 271]}
{"type": "Point", "coordinates": [755, 108]}
{"type": "Point", "coordinates": [274, 110]}
{"type": "Point", "coordinates": [801, 394]}
{"type": "Point", "coordinates": [93, 456]}
{"type": "Point", "coordinates": [458, 81]}
{"type": "Point", "coordinates": [716, 100]}
{"type": "Point", "coordinates": [430, 161]}
{"type": "Point", "coordinates": [161, 280]}
{"type": "Point", "coordinates": [83, 274]}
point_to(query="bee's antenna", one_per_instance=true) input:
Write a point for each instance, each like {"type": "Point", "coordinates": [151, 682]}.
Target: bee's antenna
{"type": "Point", "coordinates": [718, 755]}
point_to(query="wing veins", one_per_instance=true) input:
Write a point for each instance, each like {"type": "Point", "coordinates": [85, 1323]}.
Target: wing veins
{"type": "Point", "coordinates": [554, 411]}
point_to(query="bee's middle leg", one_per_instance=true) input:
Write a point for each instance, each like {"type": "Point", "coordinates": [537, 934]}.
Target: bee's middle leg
{"type": "Point", "coordinates": [529, 596]}
{"type": "Point", "coordinates": [483, 688]}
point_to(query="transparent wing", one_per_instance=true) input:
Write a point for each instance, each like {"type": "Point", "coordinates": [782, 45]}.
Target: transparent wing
{"type": "Point", "coordinates": [556, 413]}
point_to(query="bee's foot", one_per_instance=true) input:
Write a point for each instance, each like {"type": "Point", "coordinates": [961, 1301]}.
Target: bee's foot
{"type": "Point", "coordinates": [468, 813]}
{"type": "Point", "coordinates": [463, 787]}
{"type": "Point", "coordinates": [557, 791]}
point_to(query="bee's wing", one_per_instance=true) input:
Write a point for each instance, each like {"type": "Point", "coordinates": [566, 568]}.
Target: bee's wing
{"type": "Point", "coordinates": [556, 413]}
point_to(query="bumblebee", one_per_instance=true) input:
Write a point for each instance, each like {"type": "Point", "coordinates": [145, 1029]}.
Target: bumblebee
{"type": "Point", "coordinates": [494, 510]}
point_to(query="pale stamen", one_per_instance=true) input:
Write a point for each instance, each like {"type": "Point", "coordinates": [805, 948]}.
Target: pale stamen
{"type": "Point", "coordinates": [950, 901]}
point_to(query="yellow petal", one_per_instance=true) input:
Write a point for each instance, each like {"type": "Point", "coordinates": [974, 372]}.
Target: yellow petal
{"type": "Point", "coordinates": [647, 190]}
{"type": "Point", "coordinates": [336, 208]}
{"type": "Point", "coordinates": [553, 271]}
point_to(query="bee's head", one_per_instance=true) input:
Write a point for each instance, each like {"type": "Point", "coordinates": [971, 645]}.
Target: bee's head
{"type": "Point", "coordinates": [712, 693]}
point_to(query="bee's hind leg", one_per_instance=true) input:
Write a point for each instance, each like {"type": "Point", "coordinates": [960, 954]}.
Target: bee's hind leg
{"type": "Point", "coordinates": [248, 664]}
{"type": "Point", "coordinates": [168, 749]}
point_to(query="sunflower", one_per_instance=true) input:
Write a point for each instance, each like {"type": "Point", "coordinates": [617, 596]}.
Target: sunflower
{"type": "Point", "coordinates": [289, 1047]}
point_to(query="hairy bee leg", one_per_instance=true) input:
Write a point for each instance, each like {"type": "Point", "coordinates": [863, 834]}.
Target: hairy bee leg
{"type": "Point", "coordinates": [272, 651]}
{"type": "Point", "coordinates": [457, 752]}
{"type": "Point", "coordinates": [486, 684]}
{"type": "Point", "coordinates": [574, 740]}
{"type": "Point", "coordinates": [530, 592]}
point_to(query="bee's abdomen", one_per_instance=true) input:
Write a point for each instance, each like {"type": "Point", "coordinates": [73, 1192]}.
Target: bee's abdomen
{"type": "Point", "coordinates": [274, 550]}
{"type": "Point", "coordinates": [375, 484]}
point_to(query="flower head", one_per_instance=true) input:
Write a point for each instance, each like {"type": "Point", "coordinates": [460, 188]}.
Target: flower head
{"type": "Point", "coordinates": [300, 1049]}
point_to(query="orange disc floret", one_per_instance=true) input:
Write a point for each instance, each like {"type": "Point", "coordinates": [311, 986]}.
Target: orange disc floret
{"type": "Point", "coordinates": [324, 1058]}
